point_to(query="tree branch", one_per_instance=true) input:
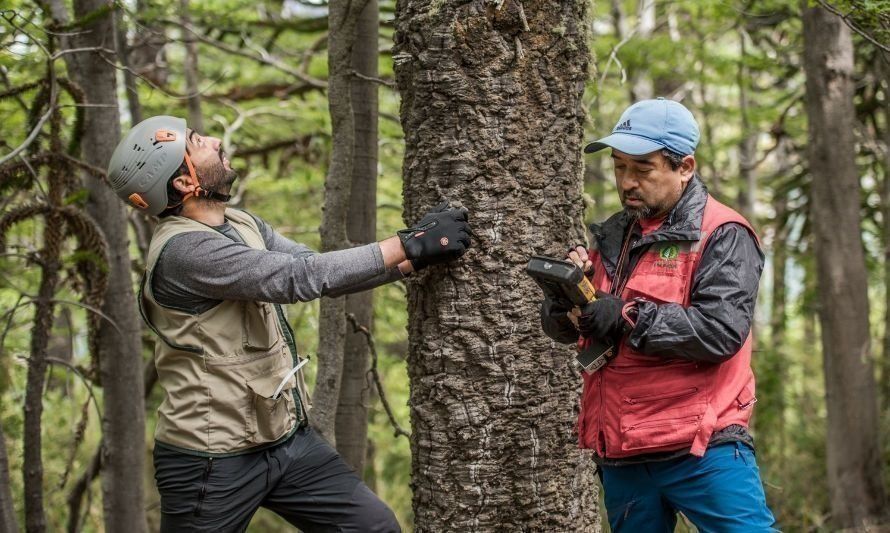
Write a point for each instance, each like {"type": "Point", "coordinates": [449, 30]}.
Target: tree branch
{"type": "Point", "coordinates": [378, 382]}
{"type": "Point", "coordinates": [846, 18]}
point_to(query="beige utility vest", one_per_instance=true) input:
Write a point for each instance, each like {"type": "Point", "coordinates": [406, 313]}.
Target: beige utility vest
{"type": "Point", "coordinates": [220, 369]}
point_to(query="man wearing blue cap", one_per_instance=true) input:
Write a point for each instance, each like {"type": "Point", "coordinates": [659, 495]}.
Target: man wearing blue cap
{"type": "Point", "coordinates": [676, 274]}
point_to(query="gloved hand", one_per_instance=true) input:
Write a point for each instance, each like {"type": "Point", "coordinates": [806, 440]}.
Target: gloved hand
{"type": "Point", "coordinates": [602, 318]}
{"type": "Point", "coordinates": [442, 235]}
{"type": "Point", "coordinates": [555, 322]}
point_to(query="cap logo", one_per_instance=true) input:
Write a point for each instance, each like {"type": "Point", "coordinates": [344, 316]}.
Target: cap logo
{"type": "Point", "coordinates": [624, 126]}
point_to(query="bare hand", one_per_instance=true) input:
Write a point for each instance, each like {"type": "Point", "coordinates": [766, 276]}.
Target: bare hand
{"type": "Point", "coordinates": [578, 255]}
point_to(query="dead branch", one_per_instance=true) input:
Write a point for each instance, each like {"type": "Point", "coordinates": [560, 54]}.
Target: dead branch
{"type": "Point", "coordinates": [378, 382]}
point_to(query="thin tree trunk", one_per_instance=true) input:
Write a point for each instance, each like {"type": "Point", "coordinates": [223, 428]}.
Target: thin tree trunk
{"type": "Point", "coordinates": [352, 409]}
{"type": "Point", "coordinates": [190, 69]}
{"type": "Point", "coordinates": [81, 486]}
{"type": "Point", "coordinates": [35, 518]}
{"type": "Point", "coordinates": [342, 16]}
{"type": "Point", "coordinates": [748, 142]}
{"type": "Point", "coordinates": [120, 350]}
{"type": "Point", "coordinates": [642, 87]}
{"type": "Point", "coordinates": [50, 264]}
{"type": "Point", "coordinates": [885, 210]}
{"type": "Point", "coordinates": [122, 45]}
{"type": "Point", "coordinates": [706, 150]}
{"type": "Point", "coordinates": [7, 508]}
{"type": "Point", "coordinates": [854, 459]}
{"type": "Point", "coordinates": [491, 110]}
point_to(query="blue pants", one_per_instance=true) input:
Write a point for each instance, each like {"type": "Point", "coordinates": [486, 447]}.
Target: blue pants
{"type": "Point", "coordinates": [718, 492]}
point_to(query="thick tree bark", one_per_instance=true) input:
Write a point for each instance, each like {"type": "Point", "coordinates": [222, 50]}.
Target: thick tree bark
{"type": "Point", "coordinates": [120, 350]}
{"type": "Point", "coordinates": [7, 508]}
{"type": "Point", "coordinates": [854, 458]}
{"type": "Point", "coordinates": [352, 408]}
{"type": "Point", "coordinates": [491, 95]}
{"type": "Point", "coordinates": [342, 15]}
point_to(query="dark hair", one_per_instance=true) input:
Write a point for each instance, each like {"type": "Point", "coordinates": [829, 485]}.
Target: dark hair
{"type": "Point", "coordinates": [174, 197]}
{"type": "Point", "coordinates": [674, 159]}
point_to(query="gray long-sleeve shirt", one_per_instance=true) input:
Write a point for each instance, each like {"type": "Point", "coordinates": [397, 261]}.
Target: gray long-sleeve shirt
{"type": "Point", "coordinates": [197, 270]}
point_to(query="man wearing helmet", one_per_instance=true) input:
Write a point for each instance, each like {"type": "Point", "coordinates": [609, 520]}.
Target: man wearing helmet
{"type": "Point", "coordinates": [232, 432]}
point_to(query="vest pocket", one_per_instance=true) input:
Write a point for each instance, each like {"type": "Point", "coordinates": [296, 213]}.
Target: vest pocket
{"type": "Point", "coordinates": [746, 398]}
{"type": "Point", "coordinates": [258, 331]}
{"type": "Point", "coordinates": [655, 420]}
{"type": "Point", "coordinates": [271, 416]}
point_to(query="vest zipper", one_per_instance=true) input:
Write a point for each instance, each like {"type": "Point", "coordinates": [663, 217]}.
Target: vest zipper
{"type": "Point", "coordinates": [203, 491]}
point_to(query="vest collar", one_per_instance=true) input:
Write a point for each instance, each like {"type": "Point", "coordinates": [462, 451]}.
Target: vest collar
{"type": "Point", "coordinates": [683, 223]}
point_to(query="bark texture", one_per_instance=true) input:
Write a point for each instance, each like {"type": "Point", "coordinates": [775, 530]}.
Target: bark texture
{"type": "Point", "coordinates": [491, 110]}
{"type": "Point", "coordinates": [342, 15]}
{"type": "Point", "coordinates": [361, 223]}
{"type": "Point", "coordinates": [120, 350]}
{"type": "Point", "coordinates": [854, 459]}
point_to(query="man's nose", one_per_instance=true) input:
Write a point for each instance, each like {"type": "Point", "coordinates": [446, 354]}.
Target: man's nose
{"type": "Point", "coordinates": [628, 185]}
{"type": "Point", "coordinates": [215, 143]}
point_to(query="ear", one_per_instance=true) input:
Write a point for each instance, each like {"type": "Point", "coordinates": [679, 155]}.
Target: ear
{"type": "Point", "coordinates": [183, 184]}
{"type": "Point", "coordinates": [687, 168]}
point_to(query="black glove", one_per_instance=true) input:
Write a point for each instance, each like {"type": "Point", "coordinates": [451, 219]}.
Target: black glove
{"type": "Point", "coordinates": [442, 235]}
{"type": "Point", "coordinates": [555, 323]}
{"type": "Point", "coordinates": [602, 318]}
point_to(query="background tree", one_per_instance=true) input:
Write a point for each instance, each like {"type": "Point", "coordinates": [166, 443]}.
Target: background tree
{"type": "Point", "coordinates": [343, 17]}
{"type": "Point", "coordinates": [857, 495]}
{"type": "Point", "coordinates": [352, 407]}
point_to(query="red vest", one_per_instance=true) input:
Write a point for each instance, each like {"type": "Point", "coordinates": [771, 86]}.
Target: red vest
{"type": "Point", "coordinates": [639, 403]}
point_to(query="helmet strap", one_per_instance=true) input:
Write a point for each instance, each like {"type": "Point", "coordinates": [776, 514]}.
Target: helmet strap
{"type": "Point", "coordinates": [199, 191]}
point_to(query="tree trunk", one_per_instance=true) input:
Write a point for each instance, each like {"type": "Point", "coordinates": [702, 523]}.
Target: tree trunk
{"type": "Point", "coordinates": [492, 115]}
{"type": "Point", "coordinates": [748, 141]}
{"type": "Point", "coordinates": [7, 508]}
{"type": "Point", "coordinates": [352, 409]}
{"type": "Point", "coordinates": [122, 45]}
{"type": "Point", "coordinates": [120, 352]}
{"type": "Point", "coordinates": [854, 459]}
{"type": "Point", "coordinates": [641, 86]}
{"type": "Point", "coordinates": [885, 211]}
{"type": "Point", "coordinates": [190, 69]}
{"type": "Point", "coordinates": [342, 16]}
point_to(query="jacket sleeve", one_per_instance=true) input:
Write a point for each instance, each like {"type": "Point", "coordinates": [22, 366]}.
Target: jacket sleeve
{"type": "Point", "coordinates": [209, 266]}
{"type": "Point", "coordinates": [556, 324]}
{"type": "Point", "coordinates": [277, 242]}
{"type": "Point", "coordinates": [724, 291]}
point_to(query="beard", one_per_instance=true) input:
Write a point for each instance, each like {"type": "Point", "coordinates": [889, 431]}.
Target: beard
{"type": "Point", "coordinates": [648, 209]}
{"type": "Point", "coordinates": [217, 178]}
{"type": "Point", "coordinates": [643, 210]}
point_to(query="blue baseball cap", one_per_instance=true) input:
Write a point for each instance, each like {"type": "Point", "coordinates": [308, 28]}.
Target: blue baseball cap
{"type": "Point", "coordinates": [650, 125]}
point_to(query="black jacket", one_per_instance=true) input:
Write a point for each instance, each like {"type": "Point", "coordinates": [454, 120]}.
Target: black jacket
{"type": "Point", "coordinates": [724, 289]}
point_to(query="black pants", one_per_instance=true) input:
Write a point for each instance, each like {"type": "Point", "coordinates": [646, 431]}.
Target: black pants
{"type": "Point", "coordinates": [303, 479]}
